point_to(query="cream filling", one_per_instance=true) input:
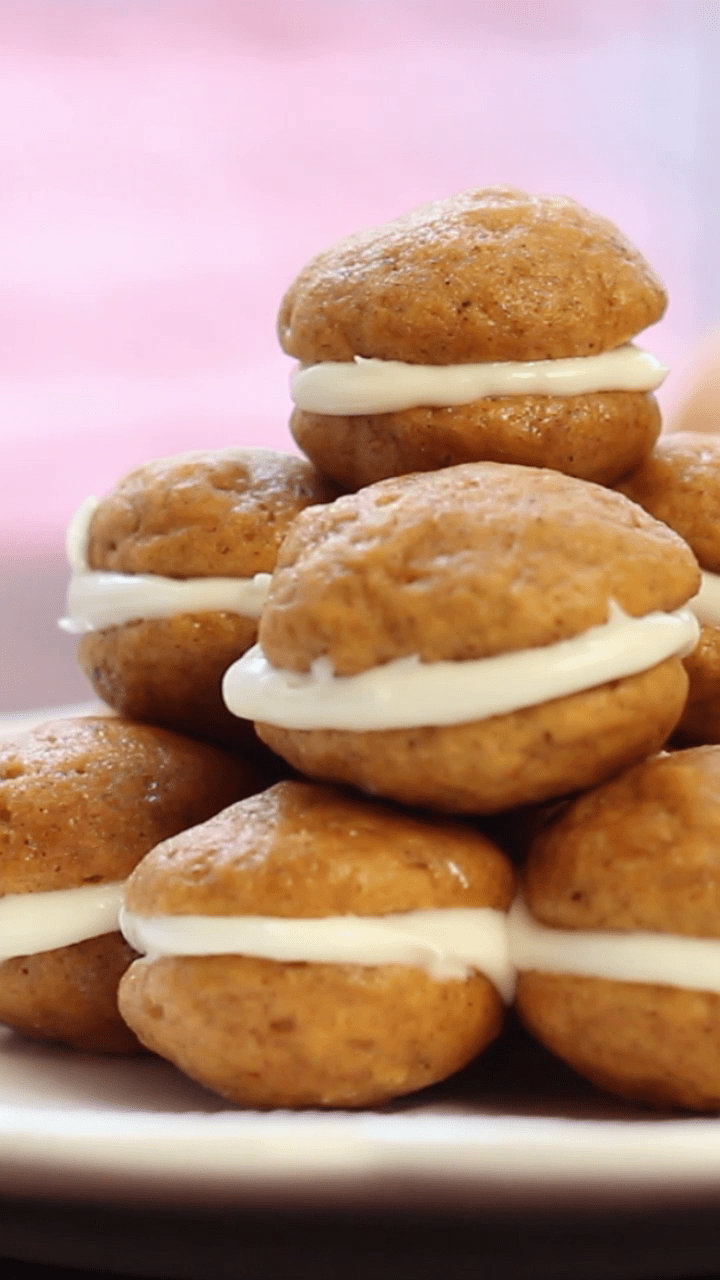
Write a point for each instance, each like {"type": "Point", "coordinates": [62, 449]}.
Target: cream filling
{"type": "Point", "coordinates": [706, 604]}
{"type": "Point", "coordinates": [98, 599]}
{"type": "Point", "coordinates": [383, 386]}
{"type": "Point", "coordinates": [637, 956]}
{"type": "Point", "coordinates": [34, 922]}
{"type": "Point", "coordinates": [408, 693]}
{"type": "Point", "coordinates": [447, 943]}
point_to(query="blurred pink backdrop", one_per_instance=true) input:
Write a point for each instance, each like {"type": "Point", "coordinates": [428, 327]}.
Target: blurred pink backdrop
{"type": "Point", "coordinates": [168, 167]}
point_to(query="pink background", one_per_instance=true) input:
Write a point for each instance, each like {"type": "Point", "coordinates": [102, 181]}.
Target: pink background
{"type": "Point", "coordinates": [168, 165]}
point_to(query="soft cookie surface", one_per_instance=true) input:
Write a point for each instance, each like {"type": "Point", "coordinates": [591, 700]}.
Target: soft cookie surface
{"type": "Point", "coordinates": [487, 766]}
{"type": "Point", "coordinates": [81, 802]}
{"type": "Point", "coordinates": [269, 1033]}
{"type": "Point", "coordinates": [597, 436]}
{"type": "Point", "coordinates": [304, 850]}
{"type": "Point", "coordinates": [493, 274]}
{"type": "Point", "coordinates": [680, 484]}
{"type": "Point", "coordinates": [209, 513]}
{"type": "Point", "coordinates": [465, 564]}
{"type": "Point", "coordinates": [205, 513]}
{"type": "Point", "coordinates": [639, 853]}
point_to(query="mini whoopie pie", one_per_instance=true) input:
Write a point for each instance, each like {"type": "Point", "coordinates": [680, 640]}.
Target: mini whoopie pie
{"type": "Point", "coordinates": [618, 942]}
{"type": "Point", "coordinates": [81, 802]}
{"type": "Point", "coordinates": [680, 484]}
{"type": "Point", "coordinates": [491, 325]}
{"type": "Point", "coordinates": [472, 639]}
{"type": "Point", "coordinates": [308, 947]}
{"type": "Point", "coordinates": [170, 573]}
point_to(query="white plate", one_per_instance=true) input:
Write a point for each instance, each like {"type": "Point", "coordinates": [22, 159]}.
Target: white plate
{"type": "Point", "coordinates": [77, 1125]}
{"type": "Point", "coordinates": [514, 1130]}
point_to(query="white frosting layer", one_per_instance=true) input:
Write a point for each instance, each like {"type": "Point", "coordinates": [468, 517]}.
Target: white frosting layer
{"type": "Point", "coordinates": [706, 604]}
{"type": "Point", "coordinates": [384, 386]}
{"type": "Point", "coordinates": [667, 959]}
{"type": "Point", "coordinates": [408, 693]}
{"type": "Point", "coordinates": [447, 943]}
{"type": "Point", "coordinates": [98, 599]}
{"type": "Point", "coordinates": [76, 536]}
{"type": "Point", "coordinates": [34, 922]}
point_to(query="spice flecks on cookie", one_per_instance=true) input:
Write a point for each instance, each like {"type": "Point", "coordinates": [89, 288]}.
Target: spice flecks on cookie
{"type": "Point", "coordinates": [83, 801]}
{"type": "Point", "coordinates": [618, 944]}
{"type": "Point", "coordinates": [492, 325]}
{"type": "Point", "coordinates": [169, 576]}
{"type": "Point", "coordinates": [679, 483]}
{"type": "Point", "coordinates": [311, 948]}
{"type": "Point", "coordinates": [487, 581]}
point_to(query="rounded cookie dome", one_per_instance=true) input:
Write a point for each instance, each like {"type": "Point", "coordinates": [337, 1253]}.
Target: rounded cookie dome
{"type": "Point", "coordinates": [266, 1031]}
{"type": "Point", "coordinates": [491, 325]}
{"type": "Point", "coordinates": [211, 519]}
{"type": "Point", "coordinates": [632, 867]}
{"type": "Point", "coordinates": [679, 483]}
{"type": "Point", "coordinates": [492, 274]}
{"type": "Point", "coordinates": [82, 801]}
{"type": "Point", "coordinates": [465, 563]}
{"type": "Point", "coordinates": [420, 619]}
{"type": "Point", "coordinates": [204, 513]}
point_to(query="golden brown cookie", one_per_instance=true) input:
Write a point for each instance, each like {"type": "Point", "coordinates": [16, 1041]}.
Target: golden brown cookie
{"type": "Point", "coordinates": [81, 802]}
{"type": "Point", "coordinates": [207, 515]}
{"type": "Point", "coordinates": [680, 484]}
{"type": "Point", "coordinates": [494, 275]}
{"type": "Point", "coordinates": [467, 579]}
{"type": "Point", "coordinates": [638, 855]}
{"type": "Point", "coordinates": [329, 1032]}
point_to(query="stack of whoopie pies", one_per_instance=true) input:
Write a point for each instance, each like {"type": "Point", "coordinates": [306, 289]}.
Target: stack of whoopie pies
{"type": "Point", "coordinates": [496, 615]}
{"type": "Point", "coordinates": [169, 577]}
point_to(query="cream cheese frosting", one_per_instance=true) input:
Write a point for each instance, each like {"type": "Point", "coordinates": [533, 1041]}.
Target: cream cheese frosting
{"type": "Point", "coordinates": [448, 943]}
{"type": "Point", "coordinates": [365, 386]}
{"type": "Point", "coordinates": [706, 604]}
{"type": "Point", "coordinates": [98, 599]}
{"type": "Point", "coordinates": [408, 693]}
{"type": "Point", "coordinates": [44, 921]}
{"type": "Point", "coordinates": [636, 956]}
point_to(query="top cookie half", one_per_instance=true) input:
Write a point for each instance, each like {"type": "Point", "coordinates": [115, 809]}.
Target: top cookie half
{"type": "Point", "coordinates": [494, 274]}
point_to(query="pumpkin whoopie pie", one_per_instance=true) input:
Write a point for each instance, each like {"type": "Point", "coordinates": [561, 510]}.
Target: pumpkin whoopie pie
{"type": "Point", "coordinates": [492, 325]}
{"type": "Point", "coordinates": [680, 484]}
{"type": "Point", "coordinates": [618, 941]}
{"type": "Point", "coordinates": [81, 802]}
{"type": "Point", "coordinates": [170, 572]}
{"type": "Point", "coordinates": [308, 947]}
{"type": "Point", "coordinates": [472, 639]}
